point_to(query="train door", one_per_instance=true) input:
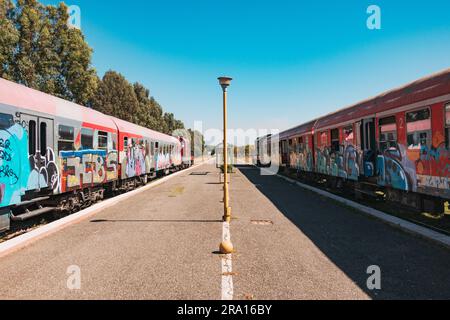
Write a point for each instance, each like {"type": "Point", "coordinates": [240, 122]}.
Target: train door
{"type": "Point", "coordinates": [46, 142]}
{"type": "Point", "coordinates": [44, 173]}
{"type": "Point", "coordinates": [368, 146]}
{"type": "Point", "coordinates": [31, 124]}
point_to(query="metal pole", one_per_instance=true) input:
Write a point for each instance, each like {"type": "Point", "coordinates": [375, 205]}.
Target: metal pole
{"type": "Point", "coordinates": [227, 209]}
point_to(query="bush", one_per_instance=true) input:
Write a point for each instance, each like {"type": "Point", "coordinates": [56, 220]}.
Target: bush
{"type": "Point", "coordinates": [230, 168]}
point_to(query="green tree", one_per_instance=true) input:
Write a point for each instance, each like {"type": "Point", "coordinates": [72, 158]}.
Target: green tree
{"type": "Point", "coordinates": [116, 97]}
{"type": "Point", "coordinates": [39, 49]}
{"type": "Point", "coordinates": [197, 142]}
{"type": "Point", "coordinates": [172, 123]}
{"type": "Point", "coordinates": [9, 37]}
{"type": "Point", "coordinates": [29, 22]}
{"type": "Point", "coordinates": [77, 80]}
{"type": "Point", "coordinates": [150, 113]}
{"type": "Point", "coordinates": [156, 113]}
{"type": "Point", "coordinates": [142, 95]}
{"type": "Point", "coordinates": [50, 56]}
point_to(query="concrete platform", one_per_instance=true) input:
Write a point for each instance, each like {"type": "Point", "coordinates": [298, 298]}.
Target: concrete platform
{"type": "Point", "coordinates": [291, 244]}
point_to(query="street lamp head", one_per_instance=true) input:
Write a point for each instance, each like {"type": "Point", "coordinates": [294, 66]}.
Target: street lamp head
{"type": "Point", "coordinates": [225, 82]}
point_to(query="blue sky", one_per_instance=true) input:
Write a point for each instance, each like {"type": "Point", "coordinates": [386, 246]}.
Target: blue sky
{"type": "Point", "coordinates": [291, 60]}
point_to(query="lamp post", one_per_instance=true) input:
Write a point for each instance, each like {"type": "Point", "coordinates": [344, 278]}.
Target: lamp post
{"type": "Point", "coordinates": [225, 83]}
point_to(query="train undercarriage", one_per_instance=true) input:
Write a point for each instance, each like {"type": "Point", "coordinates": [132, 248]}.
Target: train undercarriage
{"type": "Point", "coordinates": [36, 204]}
{"type": "Point", "coordinates": [368, 188]}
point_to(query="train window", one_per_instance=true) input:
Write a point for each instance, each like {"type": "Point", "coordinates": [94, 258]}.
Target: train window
{"type": "Point", "coordinates": [156, 145]}
{"type": "Point", "coordinates": [114, 141]}
{"type": "Point", "coordinates": [335, 140]}
{"type": "Point", "coordinates": [6, 121]}
{"type": "Point", "coordinates": [300, 145]}
{"type": "Point", "coordinates": [43, 138]}
{"type": "Point", "coordinates": [65, 138]}
{"type": "Point", "coordinates": [367, 136]}
{"type": "Point", "coordinates": [388, 133]}
{"type": "Point", "coordinates": [32, 137]}
{"type": "Point", "coordinates": [87, 139]}
{"type": "Point", "coordinates": [125, 142]}
{"type": "Point", "coordinates": [348, 135]}
{"type": "Point", "coordinates": [324, 138]}
{"type": "Point", "coordinates": [103, 140]}
{"type": "Point", "coordinates": [447, 115]}
{"type": "Point", "coordinates": [152, 148]}
{"type": "Point", "coordinates": [420, 115]}
{"type": "Point", "coordinates": [418, 128]}
{"type": "Point", "coordinates": [284, 145]}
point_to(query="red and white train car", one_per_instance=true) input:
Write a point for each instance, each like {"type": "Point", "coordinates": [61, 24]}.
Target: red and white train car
{"type": "Point", "coordinates": [398, 142]}
{"type": "Point", "coordinates": [55, 154]}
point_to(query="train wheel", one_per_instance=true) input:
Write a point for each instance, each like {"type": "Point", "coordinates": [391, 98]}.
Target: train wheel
{"type": "Point", "coordinates": [433, 206]}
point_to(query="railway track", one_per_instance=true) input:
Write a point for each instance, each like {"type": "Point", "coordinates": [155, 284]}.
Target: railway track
{"type": "Point", "coordinates": [439, 223]}
{"type": "Point", "coordinates": [22, 227]}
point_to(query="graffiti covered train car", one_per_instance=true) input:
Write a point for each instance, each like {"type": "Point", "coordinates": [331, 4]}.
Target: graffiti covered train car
{"type": "Point", "coordinates": [397, 143]}
{"type": "Point", "coordinates": [58, 156]}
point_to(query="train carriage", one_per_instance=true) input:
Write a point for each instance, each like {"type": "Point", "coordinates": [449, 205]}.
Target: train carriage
{"type": "Point", "coordinates": [144, 152]}
{"type": "Point", "coordinates": [50, 146]}
{"type": "Point", "coordinates": [264, 151]}
{"type": "Point", "coordinates": [397, 142]}
{"type": "Point", "coordinates": [57, 156]}
{"type": "Point", "coordinates": [297, 147]}
{"type": "Point", "coordinates": [186, 154]}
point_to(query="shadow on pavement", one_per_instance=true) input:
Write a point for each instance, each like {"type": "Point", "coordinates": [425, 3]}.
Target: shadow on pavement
{"type": "Point", "coordinates": [160, 221]}
{"type": "Point", "coordinates": [411, 268]}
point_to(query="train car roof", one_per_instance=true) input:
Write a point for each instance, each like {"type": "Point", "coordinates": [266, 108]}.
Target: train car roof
{"type": "Point", "coordinates": [20, 96]}
{"type": "Point", "coordinates": [432, 86]}
{"type": "Point", "coordinates": [298, 130]}
{"type": "Point", "coordinates": [136, 130]}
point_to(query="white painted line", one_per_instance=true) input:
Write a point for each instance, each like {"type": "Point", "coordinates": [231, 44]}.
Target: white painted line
{"type": "Point", "coordinates": [227, 267]}
{"type": "Point", "coordinates": [22, 241]}
{"type": "Point", "coordinates": [410, 227]}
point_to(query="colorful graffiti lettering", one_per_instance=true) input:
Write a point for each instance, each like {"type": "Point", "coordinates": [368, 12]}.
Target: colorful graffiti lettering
{"type": "Point", "coordinates": [87, 167]}
{"type": "Point", "coordinates": [412, 168]}
{"type": "Point", "coordinates": [135, 162]}
{"type": "Point", "coordinates": [44, 171]}
{"type": "Point", "coordinates": [394, 169]}
{"type": "Point", "coordinates": [351, 163]}
{"type": "Point", "coordinates": [14, 168]}
{"type": "Point", "coordinates": [323, 161]}
{"type": "Point", "coordinates": [343, 163]}
{"type": "Point", "coordinates": [302, 160]}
